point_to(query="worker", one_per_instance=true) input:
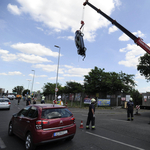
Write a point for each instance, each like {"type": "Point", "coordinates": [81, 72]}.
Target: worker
{"type": "Point", "coordinates": [60, 102]}
{"type": "Point", "coordinates": [91, 115]}
{"type": "Point", "coordinates": [130, 108]}
{"type": "Point", "coordinates": [28, 101]}
{"type": "Point", "coordinates": [43, 100]}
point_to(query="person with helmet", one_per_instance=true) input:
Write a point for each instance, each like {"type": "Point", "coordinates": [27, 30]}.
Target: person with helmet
{"type": "Point", "coordinates": [43, 100]}
{"type": "Point", "coordinates": [130, 108]}
{"type": "Point", "coordinates": [28, 101]}
{"type": "Point", "coordinates": [60, 102]}
{"type": "Point", "coordinates": [91, 115]}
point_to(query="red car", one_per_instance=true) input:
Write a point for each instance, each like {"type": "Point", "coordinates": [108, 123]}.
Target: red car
{"type": "Point", "coordinates": [41, 123]}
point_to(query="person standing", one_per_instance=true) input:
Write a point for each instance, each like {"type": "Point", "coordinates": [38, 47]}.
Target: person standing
{"type": "Point", "coordinates": [28, 101]}
{"type": "Point", "coordinates": [60, 102]}
{"type": "Point", "coordinates": [130, 108]}
{"type": "Point", "coordinates": [91, 115]}
{"type": "Point", "coordinates": [43, 100]}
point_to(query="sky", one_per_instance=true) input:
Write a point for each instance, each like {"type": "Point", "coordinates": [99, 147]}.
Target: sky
{"type": "Point", "coordinates": [29, 31]}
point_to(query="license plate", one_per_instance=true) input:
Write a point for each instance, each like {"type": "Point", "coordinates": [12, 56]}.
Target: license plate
{"type": "Point", "coordinates": [60, 133]}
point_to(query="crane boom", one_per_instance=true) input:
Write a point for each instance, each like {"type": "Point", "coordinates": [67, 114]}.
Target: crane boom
{"type": "Point", "coordinates": [138, 40]}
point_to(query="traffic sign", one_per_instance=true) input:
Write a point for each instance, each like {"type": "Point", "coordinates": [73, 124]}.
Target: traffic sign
{"type": "Point", "coordinates": [56, 89]}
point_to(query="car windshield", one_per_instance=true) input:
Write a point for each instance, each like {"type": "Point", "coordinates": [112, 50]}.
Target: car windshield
{"type": "Point", "coordinates": [55, 113]}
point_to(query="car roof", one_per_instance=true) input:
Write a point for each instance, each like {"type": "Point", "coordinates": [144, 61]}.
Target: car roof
{"type": "Point", "coordinates": [46, 106]}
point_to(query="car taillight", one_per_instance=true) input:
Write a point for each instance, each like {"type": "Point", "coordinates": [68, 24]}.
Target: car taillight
{"type": "Point", "coordinates": [9, 102]}
{"type": "Point", "coordinates": [40, 123]}
{"type": "Point", "coordinates": [73, 119]}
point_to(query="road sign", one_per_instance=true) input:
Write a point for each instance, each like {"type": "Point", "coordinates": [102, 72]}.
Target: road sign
{"type": "Point", "coordinates": [56, 89]}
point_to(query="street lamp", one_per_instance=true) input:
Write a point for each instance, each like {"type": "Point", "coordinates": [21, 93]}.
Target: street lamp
{"type": "Point", "coordinates": [57, 71]}
{"type": "Point", "coordinates": [33, 80]}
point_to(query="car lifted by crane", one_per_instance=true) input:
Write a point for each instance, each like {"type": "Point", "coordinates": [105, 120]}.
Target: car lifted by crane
{"type": "Point", "coordinates": [80, 43]}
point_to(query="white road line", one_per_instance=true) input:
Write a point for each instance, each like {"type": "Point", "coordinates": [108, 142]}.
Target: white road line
{"type": "Point", "coordinates": [115, 141]}
{"type": "Point", "coordinates": [2, 145]}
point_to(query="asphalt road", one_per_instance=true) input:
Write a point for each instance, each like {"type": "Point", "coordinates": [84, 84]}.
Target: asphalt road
{"type": "Point", "coordinates": [112, 132]}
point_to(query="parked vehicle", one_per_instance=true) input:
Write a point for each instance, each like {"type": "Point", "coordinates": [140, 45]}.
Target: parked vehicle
{"type": "Point", "coordinates": [11, 97]}
{"type": "Point", "coordinates": [41, 123]}
{"type": "Point", "coordinates": [5, 103]}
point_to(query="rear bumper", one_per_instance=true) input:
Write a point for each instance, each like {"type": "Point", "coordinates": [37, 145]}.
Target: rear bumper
{"type": "Point", "coordinates": [4, 106]}
{"type": "Point", "coordinates": [45, 136]}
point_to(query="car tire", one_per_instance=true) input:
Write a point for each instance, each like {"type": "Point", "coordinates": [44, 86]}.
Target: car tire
{"type": "Point", "coordinates": [70, 138]}
{"type": "Point", "coordinates": [10, 129]}
{"type": "Point", "coordinates": [28, 142]}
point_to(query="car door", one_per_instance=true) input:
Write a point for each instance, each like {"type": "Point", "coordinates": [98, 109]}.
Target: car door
{"type": "Point", "coordinates": [19, 121]}
{"type": "Point", "coordinates": [28, 122]}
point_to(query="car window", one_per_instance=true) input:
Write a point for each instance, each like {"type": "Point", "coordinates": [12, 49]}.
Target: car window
{"type": "Point", "coordinates": [55, 113]}
{"type": "Point", "coordinates": [33, 113]}
{"type": "Point", "coordinates": [4, 100]}
{"type": "Point", "coordinates": [23, 112]}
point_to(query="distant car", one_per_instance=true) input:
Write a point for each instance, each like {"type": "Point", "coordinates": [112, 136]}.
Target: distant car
{"type": "Point", "coordinates": [11, 97]}
{"type": "Point", "coordinates": [5, 103]}
{"type": "Point", "coordinates": [41, 123]}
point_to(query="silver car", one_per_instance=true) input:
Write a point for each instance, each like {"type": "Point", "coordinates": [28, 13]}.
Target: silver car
{"type": "Point", "coordinates": [5, 103]}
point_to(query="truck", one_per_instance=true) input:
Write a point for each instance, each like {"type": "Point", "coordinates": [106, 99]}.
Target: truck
{"type": "Point", "coordinates": [145, 101]}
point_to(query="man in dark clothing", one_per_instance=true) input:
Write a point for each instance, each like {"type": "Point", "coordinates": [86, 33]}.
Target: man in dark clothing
{"type": "Point", "coordinates": [91, 115]}
{"type": "Point", "coordinates": [28, 101]}
{"type": "Point", "coordinates": [130, 108]}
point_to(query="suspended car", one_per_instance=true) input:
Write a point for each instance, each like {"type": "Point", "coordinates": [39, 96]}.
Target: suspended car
{"type": "Point", "coordinates": [80, 43]}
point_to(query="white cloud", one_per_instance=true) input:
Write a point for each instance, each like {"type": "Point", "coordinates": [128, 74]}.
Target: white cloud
{"type": "Point", "coordinates": [133, 52]}
{"type": "Point", "coordinates": [54, 78]}
{"type": "Point", "coordinates": [6, 56]}
{"type": "Point", "coordinates": [138, 76]}
{"type": "Point", "coordinates": [124, 37]}
{"type": "Point", "coordinates": [66, 70]}
{"type": "Point", "coordinates": [32, 48]}
{"type": "Point", "coordinates": [14, 9]}
{"type": "Point", "coordinates": [12, 73]}
{"type": "Point", "coordinates": [50, 13]}
{"type": "Point", "coordinates": [112, 29]}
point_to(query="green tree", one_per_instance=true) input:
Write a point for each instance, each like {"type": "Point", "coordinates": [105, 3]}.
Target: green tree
{"type": "Point", "coordinates": [98, 81]}
{"type": "Point", "coordinates": [49, 88]}
{"type": "Point", "coordinates": [27, 91]}
{"type": "Point", "coordinates": [18, 89]}
{"type": "Point", "coordinates": [93, 82]}
{"type": "Point", "coordinates": [73, 87]}
{"type": "Point", "coordinates": [144, 66]}
{"type": "Point", "coordinates": [137, 97]}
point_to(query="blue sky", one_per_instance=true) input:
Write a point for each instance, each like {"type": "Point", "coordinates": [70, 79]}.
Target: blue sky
{"type": "Point", "coordinates": [30, 29]}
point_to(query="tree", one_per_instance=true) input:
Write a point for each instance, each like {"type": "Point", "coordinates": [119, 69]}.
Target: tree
{"type": "Point", "coordinates": [137, 97]}
{"type": "Point", "coordinates": [49, 88]}
{"type": "Point", "coordinates": [73, 87]}
{"type": "Point", "coordinates": [93, 82]}
{"type": "Point", "coordinates": [27, 91]}
{"type": "Point", "coordinates": [144, 66]}
{"type": "Point", "coordinates": [98, 81]}
{"type": "Point", "coordinates": [18, 89]}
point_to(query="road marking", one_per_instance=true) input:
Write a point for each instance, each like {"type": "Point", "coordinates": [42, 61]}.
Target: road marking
{"type": "Point", "coordinates": [2, 145]}
{"type": "Point", "coordinates": [114, 141]}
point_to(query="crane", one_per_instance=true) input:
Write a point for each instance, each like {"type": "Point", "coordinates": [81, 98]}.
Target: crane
{"type": "Point", "coordinates": [137, 40]}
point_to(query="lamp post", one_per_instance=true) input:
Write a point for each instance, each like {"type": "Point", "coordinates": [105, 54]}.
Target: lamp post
{"type": "Point", "coordinates": [57, 71]}
{"type": "Point", "coordinates": [33, 80]}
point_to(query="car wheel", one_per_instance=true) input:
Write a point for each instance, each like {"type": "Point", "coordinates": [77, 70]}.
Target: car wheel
{"type": "Point", "coordinates": [70, 138]}
{"type": "Point", "coordinates": [10, 129]}
{"type": "Point", "coordinates": [28, 142]}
